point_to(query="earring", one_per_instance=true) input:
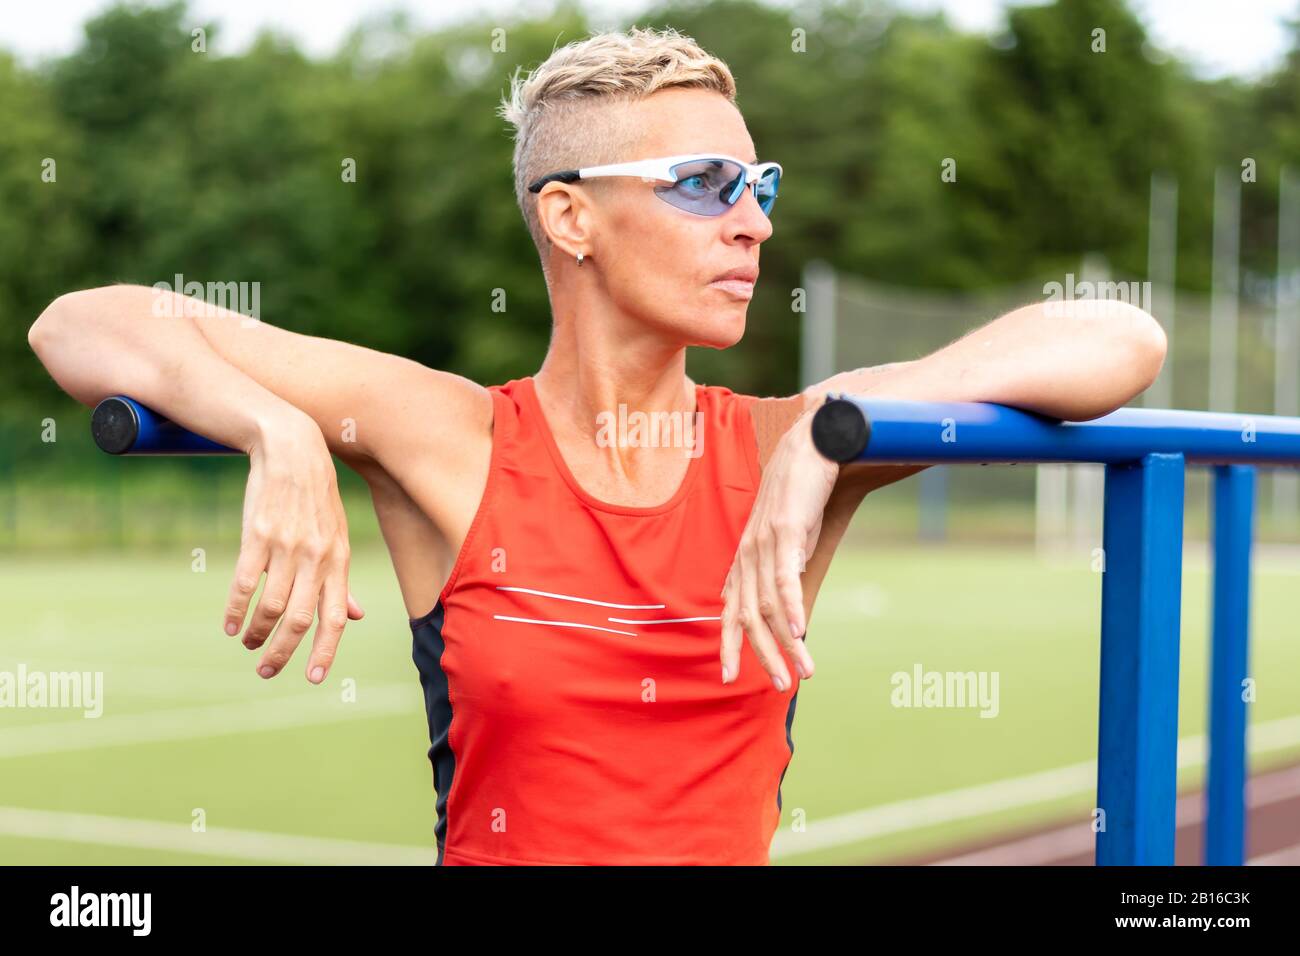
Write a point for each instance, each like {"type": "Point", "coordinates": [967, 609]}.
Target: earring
{"type": "Point", "coordinates": [580, 260]}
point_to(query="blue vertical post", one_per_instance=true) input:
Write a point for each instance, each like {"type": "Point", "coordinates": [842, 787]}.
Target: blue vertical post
{"type": "Point", "coordinates": [1225, 790]}
{"type": "Point", "coordinates": [1137, 754]}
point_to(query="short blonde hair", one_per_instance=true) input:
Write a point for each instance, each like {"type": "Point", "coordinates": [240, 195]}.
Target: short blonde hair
{"type": "Point", "coordinates": [552, 107]}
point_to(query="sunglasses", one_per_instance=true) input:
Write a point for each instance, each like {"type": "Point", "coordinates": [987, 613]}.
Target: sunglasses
{"type": "Point", "coordinates": [701, 183]}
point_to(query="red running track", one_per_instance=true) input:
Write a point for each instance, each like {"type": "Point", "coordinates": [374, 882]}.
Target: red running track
{"type": "Point", "coordinates": [1272, 833]}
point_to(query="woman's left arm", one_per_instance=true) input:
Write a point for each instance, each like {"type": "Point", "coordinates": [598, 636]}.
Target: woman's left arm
{"type": "Point", "coordinates": [1072, 360]}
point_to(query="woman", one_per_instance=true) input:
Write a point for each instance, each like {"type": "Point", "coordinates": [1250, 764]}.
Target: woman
{"type": "Point", "coordinates": [572, 582]}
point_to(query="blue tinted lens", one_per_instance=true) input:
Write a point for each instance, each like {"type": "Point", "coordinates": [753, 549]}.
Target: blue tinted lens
{"type": "Point", "coordinates": [765, 190]}
{"type": "Point", "coordinates": [709, 187]}
{"type": "Point", "coordinates": [706, 187]}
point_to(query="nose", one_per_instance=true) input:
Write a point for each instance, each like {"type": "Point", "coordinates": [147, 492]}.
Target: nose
{"type": "Point", "coordinates": [747, 223]}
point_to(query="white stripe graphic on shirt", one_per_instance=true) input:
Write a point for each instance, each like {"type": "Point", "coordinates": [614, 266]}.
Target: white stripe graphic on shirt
{"type": "Point", "coordinates": [589, 627]}
{"type": "Point", "coordinates": [663, 620]}
{"type": "Point", "coordinates": [569, 597]}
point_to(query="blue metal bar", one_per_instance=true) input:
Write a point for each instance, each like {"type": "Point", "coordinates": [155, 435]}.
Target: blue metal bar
{"type": "Point", "coordinates": [1137, 754]}
{"type": "Point", "coordinates": [1225, 788]}
{"type": "Point", "coordinates": [122, 426]}
{"type": "Point", "coordinates": [851, 428]}
{"type": "Point", "coordinates": [1145, 451]}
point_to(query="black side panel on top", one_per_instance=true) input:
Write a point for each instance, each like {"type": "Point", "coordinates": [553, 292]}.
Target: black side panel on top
{"type": "Point", "coordinates": [427, 647]}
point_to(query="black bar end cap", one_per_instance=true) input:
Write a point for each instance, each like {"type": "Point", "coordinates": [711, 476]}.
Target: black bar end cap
{"type": "Point", "coordinates": [114, 426]}
{"type": "Point", "coordinates": [841, 430]}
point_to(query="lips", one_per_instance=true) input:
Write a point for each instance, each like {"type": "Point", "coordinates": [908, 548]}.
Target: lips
{"type": "Point", "coordinates": [734, 287]}
{"type": "Point", "coordinates": [741, 273]}
{"type": "Point", "coordinates": [738, 282]}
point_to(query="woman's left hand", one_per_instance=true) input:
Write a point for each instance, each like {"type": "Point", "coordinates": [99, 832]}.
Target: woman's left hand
{"type": "Point", "coordinates": [763, 592]}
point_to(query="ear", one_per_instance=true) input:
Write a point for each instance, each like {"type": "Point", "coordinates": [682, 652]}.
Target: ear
{"type": "Point", "coordinates": [565, 215]}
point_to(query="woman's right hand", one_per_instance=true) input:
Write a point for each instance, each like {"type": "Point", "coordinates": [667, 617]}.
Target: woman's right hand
{"type": "Point", "coordinates": [296, 531]}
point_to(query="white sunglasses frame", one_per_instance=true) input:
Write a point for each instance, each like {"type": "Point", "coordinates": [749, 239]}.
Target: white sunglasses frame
{"type": "Point", "coordinates": [655, 170]}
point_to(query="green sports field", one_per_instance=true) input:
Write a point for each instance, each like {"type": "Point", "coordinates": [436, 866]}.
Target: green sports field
{"type": "Point", "coordinates": [283, 772]}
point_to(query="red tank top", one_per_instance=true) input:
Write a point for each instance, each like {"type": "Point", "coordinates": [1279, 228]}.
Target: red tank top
{"type": "Point", "coordinates": [571, 666]}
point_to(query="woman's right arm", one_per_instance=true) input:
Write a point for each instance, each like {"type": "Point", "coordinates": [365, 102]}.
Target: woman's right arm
{"type": "Point", "coordinates": [287, 400]}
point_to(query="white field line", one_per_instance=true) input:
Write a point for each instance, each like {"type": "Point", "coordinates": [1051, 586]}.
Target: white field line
{"type": "Point", "coordinates": [1077, 839]}
{"type": "Point", "coordinates": [156, 683]}
{"type": "Point", "coordinates": [1278, 559]}
{"type": "Point", "coordinates": [212, 720]}
{"type": "Point", "coordinates": [983, 799]}
{"type": "Point", "coordinates": [216, 841]}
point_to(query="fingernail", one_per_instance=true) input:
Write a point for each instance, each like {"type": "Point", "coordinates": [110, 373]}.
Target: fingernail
{"type": "Point", "coordinates": [724, 673]}
{"type": "Point", "coordinates": [317, 674]}
{"type": "Point", "coordinates": [231, 628]}
{"type": "Point", "coordinates": [776, 680]}
{"type": "Point", "coordinates": [266, 670]}
{"type": "Point", "coordinates": [803, 672]}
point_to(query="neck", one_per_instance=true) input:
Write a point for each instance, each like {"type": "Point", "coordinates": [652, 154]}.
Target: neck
{"type": "Point", "coordinates": [600, 359]}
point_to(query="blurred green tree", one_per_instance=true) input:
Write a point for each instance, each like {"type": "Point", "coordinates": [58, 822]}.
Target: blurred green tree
{"type": "Point", "coordinates": [226, 167]}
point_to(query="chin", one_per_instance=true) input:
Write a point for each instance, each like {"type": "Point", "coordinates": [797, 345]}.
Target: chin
{"type": "Point", "coordinates": [720, 330]}
{"type": "Point", "coordinates": [711, 325]}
